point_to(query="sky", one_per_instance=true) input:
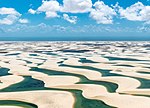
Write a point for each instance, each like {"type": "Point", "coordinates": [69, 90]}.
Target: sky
{"type": "Point", "coordinates": [74, 19]}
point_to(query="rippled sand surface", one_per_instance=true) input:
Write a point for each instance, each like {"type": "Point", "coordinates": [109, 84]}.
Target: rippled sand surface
{"type": "Point", "coordinates": [74, 75]}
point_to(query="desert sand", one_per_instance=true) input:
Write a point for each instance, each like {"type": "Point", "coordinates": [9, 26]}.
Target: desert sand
{"type": "Point", "coordinates": [66, 66]}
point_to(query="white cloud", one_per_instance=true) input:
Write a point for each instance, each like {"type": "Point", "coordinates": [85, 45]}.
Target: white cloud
{"type": "Point", "coordinates": [23, 21]}
{"type": "Point", "coordinates": [51, 14]}
{"type": "Point", "coordinates": [8, 20]}
{"type": "Point", "coordinates": [144, 28]}
{"type": "Point", "coordinates": [31, 11]}
{"type": "Point", "coordinates": [147, 22]}
{"type": "Point", "coordinates": [50, 8]}
{"type": "Point", "coordinates": [103, 14]}
{"type": "Point", "coordinates": [99, 11]}
{"type": "Point", "coordinates": [136, 12]}
{"type": "Point", "coordinates": [9, 11]}
{"type": "Point", "coordinates": [76, 6]}
{"type": "Point", "coordinates": [71, 19]}
{"type": "Point", "coordinates": [11, 16]}
{"type": "Point", "coordinates": [47, 29]}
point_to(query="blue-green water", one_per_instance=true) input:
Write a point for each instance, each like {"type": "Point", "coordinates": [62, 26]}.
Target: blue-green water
{"type": "Point", "coordinates": [145, 83]}
{"type": "Point", "coordinates": [74, 51]}
{"type": "Point", "coordinates": [4, 71]}
{"type": "Point", "coordinates": [33, 54]}
{"type": "Point", "coordinates": [124, 59]}
{"type": "Point", "coordinates": [17, 103]}
{"type": "Point", "coordinates": [32, 84]}
{"type": "Point", "coordinates": [27, 84]}
{"type": "Point", "coordinates": [13, 54]}
{"type": "Point", "coordinates": [84, 60]}
{"type": "Point", "coordinates": [111, 87]}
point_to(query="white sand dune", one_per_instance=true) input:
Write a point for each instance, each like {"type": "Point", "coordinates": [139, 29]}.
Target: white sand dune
{"type": "Point", "coordinates": [52, 65]}
{"type": "Point", "coordinates": [9, 80]}
{"type": "Point", "coordinates": [128, 72]}
{"type": "Point", "coordinates": [43, 99]}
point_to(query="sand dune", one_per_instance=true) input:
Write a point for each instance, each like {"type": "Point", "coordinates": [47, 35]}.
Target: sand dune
{"type": "Point", "coordinates": [43, 99]}
{"type": "Point", "coordinates": [118, 76]}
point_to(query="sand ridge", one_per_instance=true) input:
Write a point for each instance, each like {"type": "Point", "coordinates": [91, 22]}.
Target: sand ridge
{"type": "Point", "coordinates": [125, 63]}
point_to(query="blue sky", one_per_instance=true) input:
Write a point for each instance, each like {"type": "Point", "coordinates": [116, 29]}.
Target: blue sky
{"type": "Point", "coordinates": [75, 19]}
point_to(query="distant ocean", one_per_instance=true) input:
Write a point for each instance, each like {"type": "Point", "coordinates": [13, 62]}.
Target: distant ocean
{"type": "Point", "coordinates": [74, 38]}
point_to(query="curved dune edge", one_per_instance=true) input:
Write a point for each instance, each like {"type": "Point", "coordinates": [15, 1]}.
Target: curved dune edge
{"type": "Point", "coordinates": [145, 92]}
{"type": "Point", "coordinates": [133, 74]}
{"type": "Point", "coordinates": [52, 65]}
{"type": "Point", "coordinates": [43, 99]}
{"type": "Point", "coordinates": [91, 91]}
{"type": "Point", "coordinates": [126, 84]}
{"type": "Point", "coordinates": [123, 82]}
{"type": "Point", "coordinates": [51, 81]}
{"type": "Point", "coordinates": [124, 69]}
{"type": "Point", "coordinates": [8, 80]}
{"type": "Point", "coordinates": [138, 57]}
{"type": "Point", "coordinates": [88, 90]}
{"type": "Point", "coordinates": [5, 106]}
{"type": "Point", "coordinates": [98, 92]}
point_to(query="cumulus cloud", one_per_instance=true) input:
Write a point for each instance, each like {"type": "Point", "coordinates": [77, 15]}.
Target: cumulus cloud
{"type": "Point", "coordinates": [76, 6]}
{"type": "Point", "coordinates": [23, 21]}
{"type": "Point", "coordinates": [9, 11]}
{"type": "Point", "coordinates": [103, 14]}
{"type": "Point", "coordinates": [99, 11]}
{"type": "Point", "coordinates": [136, 12]}
{"type": "Point", "coordinates": [71, 19]}
{"type": "Point", "coordinates": [8, 20]}
{"type": "Point", "coordinates": [50, 8]}
{"type": "Point", "coordinates": [11, 16]}
{"type": "Point", "coordinates": [31, 11]}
